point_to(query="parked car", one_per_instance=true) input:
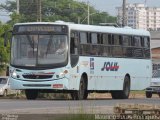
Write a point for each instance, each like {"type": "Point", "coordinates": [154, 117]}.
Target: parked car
{"type": "Point", "coordinates": [155, 85]}
{"type": "Point", "coordinates": [5, 87]}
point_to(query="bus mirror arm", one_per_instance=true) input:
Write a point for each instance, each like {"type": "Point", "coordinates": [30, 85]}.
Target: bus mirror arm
{"type": "Point", "coordinates": [6, 36]}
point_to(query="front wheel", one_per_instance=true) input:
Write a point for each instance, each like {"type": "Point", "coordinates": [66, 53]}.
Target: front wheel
{"type": "Point", "coordinates": [31, 94]}
{"type": "Point", "coordinates": [82, 93]}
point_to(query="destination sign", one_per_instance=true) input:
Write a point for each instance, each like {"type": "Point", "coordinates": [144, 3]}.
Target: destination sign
{"type": "Point", "coordinates": [40, 28]}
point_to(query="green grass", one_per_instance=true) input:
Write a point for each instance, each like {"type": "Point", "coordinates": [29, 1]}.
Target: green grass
{"type": "Point", "coordinates": [138, 92]}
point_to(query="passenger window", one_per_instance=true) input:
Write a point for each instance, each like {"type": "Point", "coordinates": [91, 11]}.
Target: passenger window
{"type": "Point", "coordinates": [95, 50]}
{"type": "Point", "coordinates": [74, 43]}
{"type": "Point", "coordinates": [94, 38]}
{"type": "Point", "coordinates": [85, 49]}
{"type": "Point", "coordinates": [146, 42]}
{"type": "Point", "coordinates": [83, 37]}
{"type": "Point", "coordinates": [137, 41]}
{"type": "Point", "coordinates": [126, 40]}
{"type": "Point", "coordinates": [142, 41]}
{"type": "Point", "coordinates": [116, 39]}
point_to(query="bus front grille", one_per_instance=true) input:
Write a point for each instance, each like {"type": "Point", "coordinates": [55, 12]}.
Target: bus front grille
{"type": "Point", "coordinates": [37, 76]}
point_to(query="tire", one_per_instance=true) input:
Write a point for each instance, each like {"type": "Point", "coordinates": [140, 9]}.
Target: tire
{"type": "Point", "coordinates": [82, 93]}
{"type": "Point", "coordinates": [124, 94]}
{"type": "Point", "coordinates": [5, 93]}
{"type": "Point", "coordinates": [148, 94]}
{"type": "Point", "coordinates": [31, 94]}
{"type": "Point", "coordinates": [159, 94]}
{"type": "Point", "coordinates": [74, 95]}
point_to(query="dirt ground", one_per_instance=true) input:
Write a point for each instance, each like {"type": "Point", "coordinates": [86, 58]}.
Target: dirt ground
{"type": "Point", "coordinates": [108, 95]}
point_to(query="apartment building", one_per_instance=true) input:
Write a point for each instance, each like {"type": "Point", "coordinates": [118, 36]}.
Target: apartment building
{"type": "Point", "coordinates": [140, 17]}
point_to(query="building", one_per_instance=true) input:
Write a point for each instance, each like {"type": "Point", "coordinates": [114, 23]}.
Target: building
{"type": "Point", "coordinates": [155, 48]}
{"type": "Point", "coordinates": [140, 17]}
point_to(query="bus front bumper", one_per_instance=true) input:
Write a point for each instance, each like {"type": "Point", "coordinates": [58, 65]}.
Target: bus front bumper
{"type": "Point", "coordinates": [60, 84]}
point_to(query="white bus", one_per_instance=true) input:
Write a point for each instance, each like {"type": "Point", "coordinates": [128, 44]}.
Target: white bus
{"type": "Point", "coordinates": [79, 59]}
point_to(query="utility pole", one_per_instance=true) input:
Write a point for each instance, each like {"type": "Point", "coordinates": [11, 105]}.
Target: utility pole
{"type": "Point", "coordinates": [39, 10]}
{"type": "Point", "coordinates": [88, 13]}
{"type": "Point", "coordinates": [17, 7]}
{"type": "Point", "coordinates": [124, 19]}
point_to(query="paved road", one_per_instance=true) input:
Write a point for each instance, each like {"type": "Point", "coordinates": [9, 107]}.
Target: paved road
{"type": "Point", "coordinates": [67, 106]}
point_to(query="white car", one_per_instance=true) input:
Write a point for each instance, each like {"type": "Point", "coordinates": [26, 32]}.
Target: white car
{"type": "Point", "coordinates": [5, 87]}
{"type": "Point", "coordinates": [155, 85]}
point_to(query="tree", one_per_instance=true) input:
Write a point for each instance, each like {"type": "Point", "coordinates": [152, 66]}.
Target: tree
{"type": "Point", "coordinates": [4, 51]}
{"type": "Point", "coordinates": [52, 10]}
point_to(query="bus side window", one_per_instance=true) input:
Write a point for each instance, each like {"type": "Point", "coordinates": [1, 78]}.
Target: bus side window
{"type": "Point", "coordinates": [74, 48]}
{"type": "Point", "coordinates": [74, 43]}
{"type": "Point", "coordinates": [146, 47]}
{"type": "Point", "coordinates": [84, 43]}
{"type": "Point", "coordinates": [146, 42]}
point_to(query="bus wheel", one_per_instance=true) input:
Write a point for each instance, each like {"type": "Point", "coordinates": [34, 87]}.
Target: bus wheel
{"type": "Point", "coordinates": [74, 95]}
{"type": "Point", "coordinates": [82, 93]}
{"type": "Point", "coordinates": [126, 88]}
{"type": "Point", "coordinates": [31, 94]}
{"type": "Point", "coordinates": [148, 94]}
{"type": "Point", "coordinates": [124, 94]}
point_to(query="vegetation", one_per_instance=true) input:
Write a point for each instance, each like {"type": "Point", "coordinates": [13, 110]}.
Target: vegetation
{"type": "Point", "coordinates": [52, 10]}
{"type": "Point", "coordinates": [4, 51]}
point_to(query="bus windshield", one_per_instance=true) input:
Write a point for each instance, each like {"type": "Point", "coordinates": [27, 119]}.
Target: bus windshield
{"type": "Point", "coordinates": [38, 50]}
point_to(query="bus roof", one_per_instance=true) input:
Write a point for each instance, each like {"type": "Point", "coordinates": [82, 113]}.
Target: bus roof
{"type": "Point", "coordinates": [95, 28]}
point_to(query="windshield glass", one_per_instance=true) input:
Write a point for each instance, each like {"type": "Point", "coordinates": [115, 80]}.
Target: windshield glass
{"type": "Point", "coordinates": [3, 80]}
{"type": "Point", "coordinates": [156, 74]}
{"type": "Point", "coordinates": [35, 50]}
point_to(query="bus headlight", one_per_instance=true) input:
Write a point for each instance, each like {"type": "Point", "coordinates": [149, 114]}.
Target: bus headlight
{"type": "Point", "coordinates": [14, 74]}
{"type": "Point", "coordinates": [62, 74]}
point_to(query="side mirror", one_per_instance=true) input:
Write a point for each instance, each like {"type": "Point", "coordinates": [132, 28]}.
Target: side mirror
{"type": "Point", "coordinates": [6, 37]}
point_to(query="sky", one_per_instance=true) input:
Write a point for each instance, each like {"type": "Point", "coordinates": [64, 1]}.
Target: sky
{"type": "Point", "coordinates": [102, 5]}
{"type": "Point", "coordinates": [110, 5]}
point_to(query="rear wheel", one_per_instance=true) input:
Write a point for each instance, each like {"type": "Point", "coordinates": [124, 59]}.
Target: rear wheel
{"type": "Point", "coordinates": [148, 94]}
{"type": "Point", "coordinates": [124, 94]}
{"type": "Point", "coordinates": [82, 93]}
{"type": "Point", "coordinates": [31, 94]}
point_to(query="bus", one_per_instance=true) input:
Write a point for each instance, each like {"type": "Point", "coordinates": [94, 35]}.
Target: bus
{"type": "Point", "coordinates": [92, 59]}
